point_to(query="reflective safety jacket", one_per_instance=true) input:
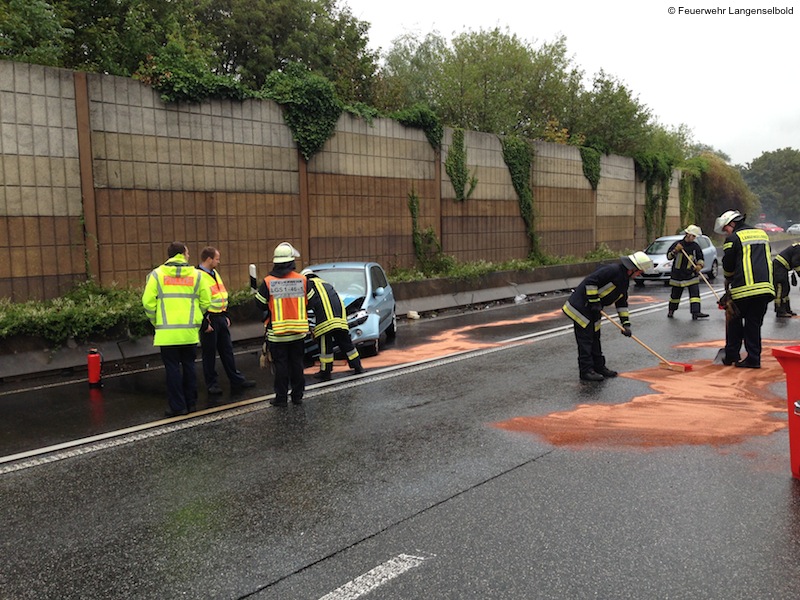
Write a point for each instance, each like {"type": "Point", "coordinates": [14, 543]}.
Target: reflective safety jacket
{"type": "Point", "coordinates": [174, 301]}
{"type": "Point", "coordinates": [327, 306]}
{"type": "Point", "coordinates": [683, 273]}
{"type": "Point", "coordinates": [219, 295]}
{"type": "Point", "coordinates": [607, 285]}
{"type": "Point", "coordinates": [746, 262]}
{"type": "Point", "coordinates": [284, 298]}
{"type": "Point", "coordinates": [788, 258]}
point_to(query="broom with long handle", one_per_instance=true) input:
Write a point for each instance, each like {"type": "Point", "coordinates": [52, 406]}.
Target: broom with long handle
{"type": "Point", "coordinates": [664, 364]}
{"type": "Point", "coordinates": [703, 277]}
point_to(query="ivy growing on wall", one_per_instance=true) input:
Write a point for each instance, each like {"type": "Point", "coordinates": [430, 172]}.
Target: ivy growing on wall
{"type": "Point", "coordinates": [424, 118]}
{"type": "Point", "coordinates": [655, 170]}
{"type": "Point", "coordinates": [311, 107]}
{"type": "Point", "coordinates": [427, 248]}
{"type": "Point", "coordinates": [694, 204]}
{"type": "Point", "coordinates": [456, 167]}
{"type": "Point", "coordinates": [591, 165]}
{"type": "Point", "coordinates": [518, 155]}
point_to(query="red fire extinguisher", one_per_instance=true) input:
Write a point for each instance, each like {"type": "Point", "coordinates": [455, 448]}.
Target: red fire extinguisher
{"type": "Point", "coordinates": [94, 362]}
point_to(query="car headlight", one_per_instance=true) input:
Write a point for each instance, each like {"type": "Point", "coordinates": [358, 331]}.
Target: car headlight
{"type": "Point", "coordinates": [357, 318]}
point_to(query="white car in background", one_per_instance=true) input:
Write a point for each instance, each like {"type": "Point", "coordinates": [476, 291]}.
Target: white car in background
{"type": "Point", "coordinates": [794, 229]}
{"type": "Point", "coordinates": [662, 268]}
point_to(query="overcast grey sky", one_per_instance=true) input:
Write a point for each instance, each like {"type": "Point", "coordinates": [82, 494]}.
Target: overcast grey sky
{"type": "Point", "coordinates": [731, 78]}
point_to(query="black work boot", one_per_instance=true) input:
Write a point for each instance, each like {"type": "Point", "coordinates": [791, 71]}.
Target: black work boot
{"type": "Point", "coordinates": [783, 313]}
{"type": "Point", "coordinates": [323, 375]}
{"type": "Point", "coordinates": [671, 314]}
{"type": "Point", "coordinates": [699, 315]}
{"type": "Point", "coordinates": [591, 375]}
{"type": "Point", "coordinates": [357, 367]}
{"type": "Point", "coordinates": [606, 372]}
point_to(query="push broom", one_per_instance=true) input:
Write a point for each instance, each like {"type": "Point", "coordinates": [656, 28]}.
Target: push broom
{"type": "Point", "coordinates": [703, 277]}
{"type": "Point", "coordinates": [664, 364]}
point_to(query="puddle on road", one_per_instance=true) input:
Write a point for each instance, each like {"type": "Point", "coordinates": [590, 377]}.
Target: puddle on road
{"type": "Point", "coordinates": [710, 405]}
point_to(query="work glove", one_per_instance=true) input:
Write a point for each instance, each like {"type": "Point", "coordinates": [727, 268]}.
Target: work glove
{"type": "Point", "coordinates": [678, 247]}
{"type": "Point", "coordinates": [794, 279]}
{"type": "Point", "coordinates": [626, 331]}
{"type": "Point", "coordinates": [723, 301]}
{"type": "Point", "coordinates": [698, 268]}
{"type": "Point", "coordinates": [595, 307]}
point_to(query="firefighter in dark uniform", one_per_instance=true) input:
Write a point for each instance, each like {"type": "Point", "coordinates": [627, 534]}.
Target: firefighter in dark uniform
{"type": "Point", "coordinates": [787, 260]}
{"type": "Point", "coordinates": [747, 266]}
{"type": "Point", "coordinates": [607, 285]}
{"type": "Point", "coordinates": [684, 274]}
{"type": "Point", "coordinates": [330, 328]}
{"type": "Point", "coordinates": [282, 298]}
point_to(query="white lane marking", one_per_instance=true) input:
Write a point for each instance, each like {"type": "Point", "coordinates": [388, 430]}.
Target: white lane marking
{"type": "Point", "coordinates": [364, 584]}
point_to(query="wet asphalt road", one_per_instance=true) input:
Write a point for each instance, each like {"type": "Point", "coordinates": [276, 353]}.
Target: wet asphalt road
{"type": "Point", "coordinates": [400, 478]}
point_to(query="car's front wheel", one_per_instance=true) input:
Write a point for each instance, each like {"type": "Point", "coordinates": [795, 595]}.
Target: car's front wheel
{"type": "Point", "coordinates": [369, 348]}
{"type": "Point", "coordinates": [391, 331]}
{"type": "Point", "coordinates": [714, 271]}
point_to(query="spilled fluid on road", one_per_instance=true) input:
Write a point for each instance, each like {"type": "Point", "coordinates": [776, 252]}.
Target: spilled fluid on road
{"type": "Point", "coordinates": [711, 405]}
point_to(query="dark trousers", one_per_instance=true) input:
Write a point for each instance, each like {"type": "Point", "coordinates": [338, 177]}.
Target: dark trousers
{"type": "Point", "coordinates": [590, 352]}
{"type": "Point", "coordinates": [694, 298]}
{"type": "Point", "coordinates": [780, 278]}
{"type": "Point", "coordinates": [181, 377]}
{"type": "Point", "coordinates": [218, 341]}
{"type": "Point", "coordinates": [746, 328]}
{"type": "Point", "coordinates": [288, 360]}
{"type": "Point", "coordinates": [341, 338]}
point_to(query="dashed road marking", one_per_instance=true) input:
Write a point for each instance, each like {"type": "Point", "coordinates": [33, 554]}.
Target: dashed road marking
{"type": "Point", "coordinates": [374, 578]}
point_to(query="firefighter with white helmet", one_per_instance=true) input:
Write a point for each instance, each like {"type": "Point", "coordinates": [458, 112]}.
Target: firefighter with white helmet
{"type": "Point", "coordinates": [687, 262]}
{"type": "Point", "coordinates": [747, 265]}
{"type": "Point", "coordinates": [607, 285]}
{"type": "Point", "coordinates": [282, 298]}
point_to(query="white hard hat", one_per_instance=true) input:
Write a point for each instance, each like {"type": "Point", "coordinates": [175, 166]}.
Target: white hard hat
{"type": "Point", "coordinates": [284, 253]}
{"type": "Point", "coordinates": [693, 230]}
{"type": "Point", "coordinates": [726, 218]}
{"type": "Point", "coordinates": [638, 261]}
{"type": "Point", "coordinates": [306, 272]}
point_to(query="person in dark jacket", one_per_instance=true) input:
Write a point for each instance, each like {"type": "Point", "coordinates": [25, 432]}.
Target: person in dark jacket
{"type": "Point", "coordinates": [748, 282]}
{"type": "Point", "coordinates": [282, 298]}
{"type": "Point", "coordinates": [787, 260]}
{"type": "Point", "coordinates": [330, 325]}
{"type": "Point", "coordinates": [607, 285]}
{"type": "Point", "coordinates": [684, 273]}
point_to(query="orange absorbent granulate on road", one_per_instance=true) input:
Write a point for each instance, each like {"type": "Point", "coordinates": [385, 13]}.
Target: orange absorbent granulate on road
{"type": "Point", "coordinates": [453, 340]}
{"type": "Point", "coordinates": [712, 405]}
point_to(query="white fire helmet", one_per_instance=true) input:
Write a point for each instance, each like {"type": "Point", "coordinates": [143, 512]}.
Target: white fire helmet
{"type": "Point", "coordinates": [284, 253]}
{"type": "Point", "coordinates": [638, 261]}
{"type": "Point", "coordinates": [726, 218]}
{"type": "Point", "coordinates": [693, 230]}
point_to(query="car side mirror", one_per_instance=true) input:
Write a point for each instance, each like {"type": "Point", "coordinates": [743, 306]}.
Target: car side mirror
{"type": "Point", "coordinates": [379, 292]}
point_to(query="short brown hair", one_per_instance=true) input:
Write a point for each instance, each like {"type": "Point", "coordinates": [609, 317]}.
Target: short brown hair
{"type": "Point", "coordinates": [176, 248]}
{"type": "Point", "coordinates": [208, 252]}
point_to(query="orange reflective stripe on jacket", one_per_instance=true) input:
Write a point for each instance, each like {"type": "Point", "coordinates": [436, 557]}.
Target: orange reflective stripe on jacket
{"type": "Point", "coordinates": [219, 295]}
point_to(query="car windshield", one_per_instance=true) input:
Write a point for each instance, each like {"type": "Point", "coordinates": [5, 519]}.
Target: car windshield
{"type": "Point", "coordinates": [352, 282]}
{"type": "Point", "coordinates": [659, 247]}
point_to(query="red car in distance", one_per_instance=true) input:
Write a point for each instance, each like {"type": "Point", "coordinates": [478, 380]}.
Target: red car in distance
{"type": "Point", "coordinates": [769, 227]}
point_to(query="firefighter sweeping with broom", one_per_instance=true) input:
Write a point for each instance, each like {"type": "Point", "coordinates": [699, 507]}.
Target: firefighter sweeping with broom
{"type": "Point", "coordinates": [607, 285]}
{"type": "Point", "coordinates": [687, 262]}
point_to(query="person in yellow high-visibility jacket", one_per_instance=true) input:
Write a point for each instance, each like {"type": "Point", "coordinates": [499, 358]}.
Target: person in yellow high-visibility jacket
{"type": "Point", "coordinates": [215, 333]}
{"type": "Point", "coordinates": [174, 300]}
{"type": "Point", "coordinates": [282, 297]}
